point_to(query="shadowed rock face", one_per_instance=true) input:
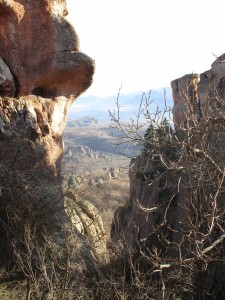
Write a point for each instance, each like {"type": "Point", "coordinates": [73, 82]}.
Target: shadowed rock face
{"type": "Point", "coordinates": [41, 72]}
{"type": "Point", "coordinates": [162, 201]}
{"type": "Point", "coordinates": [7, 85]}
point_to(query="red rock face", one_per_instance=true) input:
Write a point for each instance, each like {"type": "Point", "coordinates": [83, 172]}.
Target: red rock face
{"type": "Point", "coordinates": [191, 91]}
{"type": "Point", "coordinates": [41, 72]}
{"type": "Point", "coordinates": [41, 49]}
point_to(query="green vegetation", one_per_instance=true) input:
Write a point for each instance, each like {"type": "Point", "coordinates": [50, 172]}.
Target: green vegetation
{"type": "Point", "coordinates": [157, 135]}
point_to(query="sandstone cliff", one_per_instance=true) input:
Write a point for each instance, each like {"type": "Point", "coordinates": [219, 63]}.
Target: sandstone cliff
{"type": "Point", "coordinates": [42, 71]}
{"type": "Point", "coordinates": [42, 50]}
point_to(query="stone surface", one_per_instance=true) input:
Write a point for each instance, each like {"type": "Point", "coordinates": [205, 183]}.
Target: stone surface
{"type": "Point", "coordinates": [87, 221]}
{"type": "Point", "coordinates": [163, 201]}
{"type": "Point", "coordinates": [192, 90]}
{"type": "Point", "coordinates": [185, 94]}
{"type": "Point", "coordinates": [7, 85]}
{"type": "Point", "coordinates": [44, 55]}
{"type": "Point", "coordinates": [147, 217]}
{"type": "Point", "coordinates": [40, 50]}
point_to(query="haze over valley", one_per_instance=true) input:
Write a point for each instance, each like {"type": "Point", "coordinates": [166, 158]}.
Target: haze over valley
{"type": "Point", "coordinates": [98, 107]}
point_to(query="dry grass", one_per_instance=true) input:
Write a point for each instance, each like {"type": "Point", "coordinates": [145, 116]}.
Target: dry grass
{"type": "Point", "coordinates": [11, 286]}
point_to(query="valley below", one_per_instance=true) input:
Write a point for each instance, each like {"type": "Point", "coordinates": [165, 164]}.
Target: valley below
{"type": "Point", "coordinates": [95, 165]}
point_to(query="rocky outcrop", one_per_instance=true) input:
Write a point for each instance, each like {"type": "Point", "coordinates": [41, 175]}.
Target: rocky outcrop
{"type": "Point", "coordinates": [7, 84]}
{"type": "Point", "coordinates": [139, 222]}
{"type": "Point", "coordinates": [185, 94]}
{"type": "Point", "coordinates": [42, 71]}
{"type": "Point", "coordinates": [41, 49]}
{"type": "Point", "coordinates": [88, 222]}
{"type": "Point", "coordinates": [193, 90]}
{"type": "Point", "coordinates": [177, 191]}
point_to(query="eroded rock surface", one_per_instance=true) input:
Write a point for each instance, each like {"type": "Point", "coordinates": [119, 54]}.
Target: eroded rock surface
{"type": "Point", "coordinates": [185, 94]}
{"type": "Point", "coordinates": [7, 84]}
{"type": "Point", "coordinates": [87, 220]}
{"type": "Point", "coordinates": [41, 49]}
{"type": "Point", "coordinates": [193, 90]}
{"type": "Point", "coordinates": [170, 195]}
{"type": "Point", "coordinates": [42, 71]}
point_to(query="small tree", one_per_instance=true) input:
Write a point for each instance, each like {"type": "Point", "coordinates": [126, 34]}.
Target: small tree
{"type": "Point", "coordinates": [157, 135]}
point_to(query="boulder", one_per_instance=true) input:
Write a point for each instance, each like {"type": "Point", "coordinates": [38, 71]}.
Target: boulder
{"type": "Point", "coordinates": [7, 84]}
{"type": "Point", "coordinates": [114, 175]}
{"type": "Point", "coordinates": [109, 175]}
{"type": "Point", "coordinates": [100, 182]}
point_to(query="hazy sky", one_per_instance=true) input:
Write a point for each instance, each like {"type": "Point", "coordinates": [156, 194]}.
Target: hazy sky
{"type": "Point", "coordinates": [145, 44]}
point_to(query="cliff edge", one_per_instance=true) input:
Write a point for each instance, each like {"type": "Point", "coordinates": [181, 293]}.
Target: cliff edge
{"type": "Point", "coordinates": [42, 71]}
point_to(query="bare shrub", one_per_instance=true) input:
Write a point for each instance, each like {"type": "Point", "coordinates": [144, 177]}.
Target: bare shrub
{"type": "Point", "coordinates": [41, 254]}
{"type": "Point", "coordinates": [168, 238]}
{"type": "Point", "coordinates": [52, 270]}
{"type": "Point", "coordinates": [174, 221]}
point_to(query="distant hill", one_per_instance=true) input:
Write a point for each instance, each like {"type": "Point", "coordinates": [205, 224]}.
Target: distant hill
{"type": "Point", "coordinates": [97, 107]}
{"type": "Point", "coordinates": [82, 122]}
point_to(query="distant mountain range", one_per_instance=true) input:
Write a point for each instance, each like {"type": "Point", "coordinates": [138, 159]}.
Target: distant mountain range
{"type": "Point", "coordinates": [92, 106]}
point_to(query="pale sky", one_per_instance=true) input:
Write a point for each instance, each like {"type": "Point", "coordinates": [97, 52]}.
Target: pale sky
{"type": "Point", "coordinates": [144, 44]}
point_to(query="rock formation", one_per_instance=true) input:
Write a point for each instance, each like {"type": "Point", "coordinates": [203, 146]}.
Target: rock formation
{"type": "Point", "coordinates": [191, 92]}
{"type": "Point", "coordinates": [185, 89]}
{"type": "Point", "coordinates": [176, 194]}
{"type": "Point", "coordinates": [42, 71]}
{"type": "Point", "coordinates": [87, 221]}
{"type": "Point", "coordinates": [42, 49]}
